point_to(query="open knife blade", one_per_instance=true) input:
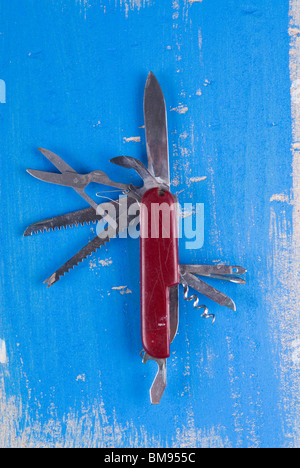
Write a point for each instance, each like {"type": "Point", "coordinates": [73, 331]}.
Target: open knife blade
{"type": "Point", "coordinates": [207, 290]}
{"type": "Point", "coordinates": [156, 131]}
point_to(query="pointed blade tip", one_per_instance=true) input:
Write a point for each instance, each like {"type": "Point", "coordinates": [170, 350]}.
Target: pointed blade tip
{"type": "Point", "coordinates": [150, 75]}
{"type": "Point", "coordinates": [31, 172]}
{"type": "Point", "coordinates": [27, 232]}
{"type": "Point", "coordinates": [230, 304]}
{"type": "Point", "coordinates": [43, 151]}
{"type": "Point", "coordinates": [151, 79]}
{"type": "Point", "coordinates": [155, 118]}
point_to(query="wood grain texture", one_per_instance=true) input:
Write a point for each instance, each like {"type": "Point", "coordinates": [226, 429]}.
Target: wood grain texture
{"type": "Point", "coordinates": [74, 70]}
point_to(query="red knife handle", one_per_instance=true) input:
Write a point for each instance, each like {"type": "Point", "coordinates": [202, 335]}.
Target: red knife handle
{"type": "Point", "coordinates": [159, 269]}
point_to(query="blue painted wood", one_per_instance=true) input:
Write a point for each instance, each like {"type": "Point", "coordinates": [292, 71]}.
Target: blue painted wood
{"type": "Point", "coordinates": [71, 373]}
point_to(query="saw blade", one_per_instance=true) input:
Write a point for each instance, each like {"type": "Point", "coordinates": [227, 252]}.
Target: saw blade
{"type": "Point", "coordinates": [95, 244]}
{"type": "Point", "coordinates": [76, 218]}
{"type": "Point", "coordinates": [85, 252]}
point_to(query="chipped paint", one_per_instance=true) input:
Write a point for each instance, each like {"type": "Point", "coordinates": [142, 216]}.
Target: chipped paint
{"type": "Point", "coordinates": [84, 5]}
{"type": "Point", "coordinates": [122, 289]}
{"type": "Point", "coordinates": [294, 31]}
{"type": "Point", "coordinates": [108, 431]}
{"type": "Point", "coordinates": [186, 214]}
{"type": "Point", "coordinates": [134, 139]}
{"type": "Point", "coordinates": [80, 377]}
{"type": "Point", "coordinates": [281, 197]}
{"type": "Point", "coordinates": [132, 5]}
{"type": "Point", "coordinates": [3, 355]}
{"type": "Point", "coordinates": [100, 262]}
{"type": "Point", "coordinates": [197, 179]}
{"type": "Point", "coordinates": [126, 6]}
{"type": "Point", "coordinates": [126, 291]}
{"type": "Point", "coordinates": [98, 124]}
{"type": "Point", "coordinates": [290, 338]}
{"type": "Point", "coordinates": [106, 262]}
{"type": "Point", "coordinates": [2, 92]}
{"type": "Point", "coordinates": [295, 345]}
{"type": "Point", "coordinates": [175, 182]}
{"type": "Point", "coordinates": [181, 109]}
{"type": "Point", "coordinates": [295, 93]}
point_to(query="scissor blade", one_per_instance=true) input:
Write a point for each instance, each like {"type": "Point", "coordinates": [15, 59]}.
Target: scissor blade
{"type": "Point", "coordinates": [56, 160]}
{"type": "Point", "coordinates": [63, 167]}
{"type": "Point", "coordinates": [51, 177]}
{"type": "Point", "coordinates": [156, 130]}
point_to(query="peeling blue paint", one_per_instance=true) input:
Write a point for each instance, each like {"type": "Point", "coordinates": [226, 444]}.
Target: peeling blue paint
{"type": "Point", "coordinates": [73, 375]}
{"type": "Point", "coordinates": [2, 92]}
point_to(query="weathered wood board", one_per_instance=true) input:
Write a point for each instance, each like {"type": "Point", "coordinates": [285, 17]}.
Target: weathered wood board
{"type": "Point", "coordinates": [72, 74]}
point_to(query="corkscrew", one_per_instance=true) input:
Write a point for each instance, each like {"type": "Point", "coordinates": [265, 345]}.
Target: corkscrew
{"type": "Point", "coordinates": [196, 300]}
{"type": "Point", "coordinates": [189, 279]}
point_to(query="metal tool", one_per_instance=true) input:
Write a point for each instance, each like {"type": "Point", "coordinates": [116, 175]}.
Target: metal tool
{"type": "Point", "coordinates": [161, 273]}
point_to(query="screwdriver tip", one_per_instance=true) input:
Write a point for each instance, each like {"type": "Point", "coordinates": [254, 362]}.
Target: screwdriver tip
{"type": "Point", "coordinates": [160, 382]}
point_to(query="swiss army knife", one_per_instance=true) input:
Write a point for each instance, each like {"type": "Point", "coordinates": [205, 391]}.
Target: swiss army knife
{"type": "Point", "coordinates": [160, 271]}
